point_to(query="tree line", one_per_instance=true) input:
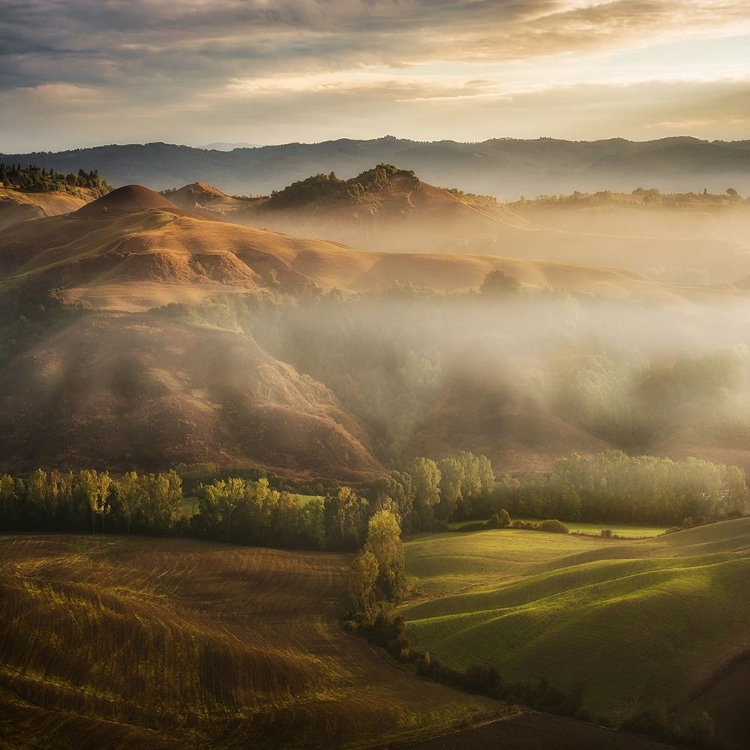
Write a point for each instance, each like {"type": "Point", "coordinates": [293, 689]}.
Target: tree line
{"type": "Point", "coordinates": [615, 487]}
{"type": "Point", "coordinates": [423, 495]}
{"type": "Point", "coordinates": [32, 179]}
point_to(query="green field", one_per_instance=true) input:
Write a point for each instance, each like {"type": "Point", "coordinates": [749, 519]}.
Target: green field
{"type": "Point", "coordinates": [632, 621]}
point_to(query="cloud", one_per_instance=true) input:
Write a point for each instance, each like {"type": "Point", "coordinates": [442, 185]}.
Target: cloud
{"type": "Point", "coordinates": [207, 56]}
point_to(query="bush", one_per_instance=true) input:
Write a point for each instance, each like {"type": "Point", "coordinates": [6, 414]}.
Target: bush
{"type": "Point", "coordinates": [500, 520]}
{"type": "Point", "coordinates": [607, 533]}
{"type": "Point", "coordinates": [554, 526]}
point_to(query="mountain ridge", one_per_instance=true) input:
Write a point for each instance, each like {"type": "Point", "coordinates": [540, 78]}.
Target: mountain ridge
{"type": "Point", "coordinates": [506, 168]}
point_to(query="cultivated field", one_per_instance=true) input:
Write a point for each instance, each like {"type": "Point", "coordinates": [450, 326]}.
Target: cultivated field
{"type": "Point", "coordinates": [165, 643]}
{"type": "Point", "coordinates": [633, 621]}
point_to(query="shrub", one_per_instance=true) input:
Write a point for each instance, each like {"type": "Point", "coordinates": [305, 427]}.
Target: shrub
{"type": "Point", "coordinates": [554, 526]}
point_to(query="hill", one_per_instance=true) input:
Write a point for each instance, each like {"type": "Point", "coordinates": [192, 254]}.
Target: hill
{"type": "Point", "coordinates": [362, 355]}
{"type": "Point", "coordinates": [116, 391]}
{"type": "Point", "coordinates": [505, 167]}
{"type": "Point", "coordinates": [173, 643]}
{"type": "Point", "coordinates": [683, 238]}
{"type": "Point", "coordinates": [17, 206]}
{"type": "Point", "coordinates": [586, 610]}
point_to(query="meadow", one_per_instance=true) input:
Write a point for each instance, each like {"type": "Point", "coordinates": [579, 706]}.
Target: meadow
{"type": "Point", "coordinates": [631, 621]}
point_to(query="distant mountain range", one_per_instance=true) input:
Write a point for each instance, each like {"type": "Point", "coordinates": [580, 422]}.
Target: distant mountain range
{"type": "Point", "coordinates": [506, 168]}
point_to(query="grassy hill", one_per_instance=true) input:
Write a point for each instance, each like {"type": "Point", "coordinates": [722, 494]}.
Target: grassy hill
{"type": "Point", "coordinates": [17, 206]}
{"type": "Point", "coordinates": [633, 621]}
{"type": "Point", "coordinates": [170, 643]}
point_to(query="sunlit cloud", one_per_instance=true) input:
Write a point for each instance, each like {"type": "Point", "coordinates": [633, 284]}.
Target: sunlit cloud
{"type": "Point", "coordinates": [213, 59]}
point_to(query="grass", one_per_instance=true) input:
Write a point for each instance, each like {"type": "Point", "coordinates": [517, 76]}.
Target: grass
{"type": "Point", "coordinates": [631, 620]}
{"type": "Point", "coordinates": [133, 642]}
{"type": "Point", "coordinates": [629, 531]}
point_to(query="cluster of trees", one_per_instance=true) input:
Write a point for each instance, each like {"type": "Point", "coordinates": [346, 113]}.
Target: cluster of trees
{"type": "Point", "coordinates": [322, 190]}
{"type": "Point", "coordinates": [615, 487]}
{"type": "Point", "coordinates": [32, 179]}
{"type": "Point", "coordinates": [427, 494]}
{"type": "Point", "coordinates": [247, 512]}
{"type": "Point", "coordinates": [91, 500]}
{"type": "Point", "coordinates": [652, 196]}
{"type": "Point", "coordinates": [424, 495]}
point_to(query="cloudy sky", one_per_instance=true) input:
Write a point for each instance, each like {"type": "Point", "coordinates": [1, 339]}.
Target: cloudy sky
{"type": "Point", "coordinates": [76, 73]}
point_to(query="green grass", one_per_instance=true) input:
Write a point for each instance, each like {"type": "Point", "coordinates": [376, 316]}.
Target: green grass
{"type": "Point", "coordinates": [305, 499]}
{"type": "Point", "coordinates": [629, 531]}
{"type": "Point", "coordinates": [631, 620]}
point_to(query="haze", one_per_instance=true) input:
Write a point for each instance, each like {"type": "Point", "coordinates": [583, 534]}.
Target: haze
{"type": "Point", "coordinates": [304, 70]}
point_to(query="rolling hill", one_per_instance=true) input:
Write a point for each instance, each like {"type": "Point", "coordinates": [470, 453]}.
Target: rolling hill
{"type": "Point", "coordinates": [17, 206]}
{"type": "Point", "coordinates": [183, 644]}
{"type": "Point", "coordinates": [180, 288]}
{"type": "Point", "coordinates": [632, 621]}
{"type": "Point", "coordinates": [680, 239]}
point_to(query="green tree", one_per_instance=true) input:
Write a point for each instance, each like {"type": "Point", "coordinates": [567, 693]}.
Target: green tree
{"type": "Point", "coordinates": [426, 477]}
{"type": "Point", "coordinates": [384, 542]}
{"type": "Point", "coordinates": [363, 578]}
{"type": "Point", "coordinates": [131, 497]}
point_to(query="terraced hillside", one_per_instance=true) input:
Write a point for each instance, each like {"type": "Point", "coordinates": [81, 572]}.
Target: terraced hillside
{"type": "Point", "coordinates": [633, 621]}
{"type": "Point", "coordinates": [179, 644]}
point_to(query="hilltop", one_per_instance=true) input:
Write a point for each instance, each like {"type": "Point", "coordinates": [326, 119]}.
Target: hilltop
{"type": "Point", "coordinates": [680, 238]}
{"type": "Point", "coordinates": [503, 167]}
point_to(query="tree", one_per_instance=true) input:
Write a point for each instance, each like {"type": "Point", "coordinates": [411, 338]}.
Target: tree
{"type": "Point", "coordinates": [131, 497]}
{"type": "Point", "coordinates": [8, 500]}
{"type": "Point", "coordinates": [398, 486]}
{"type": "Point", "coordinates": [363, 577]}
{"type": "Point", "coordinates": [425, 475]}
{"type": "Point", "coordinates": [384, 542]}
{"type": "Point", "coordinates": [497, 283]}
{"type": "Point", "coordinates": [451, 481]}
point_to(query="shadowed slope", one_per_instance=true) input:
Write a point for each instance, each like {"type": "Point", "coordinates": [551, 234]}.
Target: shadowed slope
{"type": "Point", "coordinates": [117, 391]}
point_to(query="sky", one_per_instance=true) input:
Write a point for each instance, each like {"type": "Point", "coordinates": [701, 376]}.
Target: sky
{"type": "Point", "coordinates": [78, 73]}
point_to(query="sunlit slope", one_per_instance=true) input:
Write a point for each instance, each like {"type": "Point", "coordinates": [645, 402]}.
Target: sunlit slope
{"type": "Point", "coordinates": [702, 240]}
{"type": "Point", "coordinates": [172, 643]}
{"type": "Point", "coordinates": [117, 390]}
{"type": "Point", "coordinates": [632, 621]}
{"type": "Point", "coordinates": [17, 206]}
{"type": "Point", "coordinates": [139, 253]}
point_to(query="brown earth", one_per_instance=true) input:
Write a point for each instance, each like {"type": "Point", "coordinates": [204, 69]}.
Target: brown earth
{"type": "Point", "coordinates": [135, 643]}
{"type": "Point", "coordinates": [97, 256]}
{"type": "Point", "coordinates": [120, 390]}
{"type": "Point", "coordinates": [17, 206]}
{"type": "Point", "coordinates": [126, 200]}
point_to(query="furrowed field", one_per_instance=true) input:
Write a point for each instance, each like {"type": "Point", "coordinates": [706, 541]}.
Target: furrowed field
{"type": "Point", "coordinates": [167, 643]}
{"type": "Point", "coordinates": [632, 621]}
